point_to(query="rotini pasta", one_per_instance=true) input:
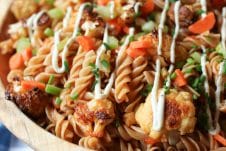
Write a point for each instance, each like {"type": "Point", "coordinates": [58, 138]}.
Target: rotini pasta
{"type": "Point", "coordinates": [122, 75]}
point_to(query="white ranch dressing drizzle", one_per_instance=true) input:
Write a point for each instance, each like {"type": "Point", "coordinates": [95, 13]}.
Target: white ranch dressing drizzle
{"type": "Point", "coordinates": [124, 45]}
{"type": "Point", "coordinates": [204, 8]}
{"type": "Point", "coordinates": [158, 103]}
{"type": "Point", "coordinates": [136, 7]}
{"type": "Point", "coordinates": [68, 43]}
{"type": "Point", "coordinates": [98, 94]}
{"type": "Point", "coordinates": [172, 48]}
{"type": "Point", "coordinates": [32, 24]}
{"type": "Point", "coordinates": [161, 26]}
{"type": "Point", "coordinates": [67, 17]}
{"type": "Point", "coordinates": [206, 86]}
{"type": "Point", "coordinates": [220, 73]}
{"type": "Point", "coordinates": [112, 9]}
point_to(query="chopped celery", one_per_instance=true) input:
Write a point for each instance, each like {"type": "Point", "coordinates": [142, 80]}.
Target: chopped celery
{"type": "Point", "coordinates": [220, 50]}
{"type": "Point", "coordinates": [48, 32]}
{"type": "Point", "coordinates": [148, 26]}
{"type": "Point", "coordinates": [103, 11]}
{"type": "Point", "coordinates": [56, 13]}
{"type": "Point", "coordinates": [22, 44]}
{"type": "Point", "coordinates": [113, 42]}
{"type": "Point", "coordinates": [196, 56]}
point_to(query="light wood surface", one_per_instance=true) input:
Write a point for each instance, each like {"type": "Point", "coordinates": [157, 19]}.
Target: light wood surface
{"type": "Point", "coordinates": [17, 122]}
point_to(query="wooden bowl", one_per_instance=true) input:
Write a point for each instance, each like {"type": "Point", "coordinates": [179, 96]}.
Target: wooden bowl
{"type": "Point", "coordinates": [15, 120]}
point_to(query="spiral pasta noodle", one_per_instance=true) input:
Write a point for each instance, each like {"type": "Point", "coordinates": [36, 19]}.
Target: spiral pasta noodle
{"type": "Point", "coordinates": [122, 75]}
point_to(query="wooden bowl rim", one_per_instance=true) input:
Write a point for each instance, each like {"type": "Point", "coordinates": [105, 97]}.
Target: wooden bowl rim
{"type": "Point", "coordinates": [19, 124]}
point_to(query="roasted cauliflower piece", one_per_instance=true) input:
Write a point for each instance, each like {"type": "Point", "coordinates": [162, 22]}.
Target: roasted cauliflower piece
{"type": "Point", "coordinates": [32, 102]}
{"type": "Point", "coordinates": [22, 9]}
{"type": "Point", "coordinates": [94, 116]}
{"type": "Point", "coordinates": [179, 114]}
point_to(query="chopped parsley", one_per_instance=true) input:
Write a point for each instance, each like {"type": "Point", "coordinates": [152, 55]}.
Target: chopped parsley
{"type": "Point", "coordinates": [146, 90]}
{"type": "Point", "coordinates": [107, 46]}
{"type": "Point", "coordinates": [95, 70]}
{"type": "Point", "coordinates": [105, 63]}
{"type": "Point", "coordinates": [200, 12]}
{"type": "Point", "coordinates": [66, 65]}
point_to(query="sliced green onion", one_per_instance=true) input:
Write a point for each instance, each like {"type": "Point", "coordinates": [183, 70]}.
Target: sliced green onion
{"type": "Point", "coordinates": [74, 96]}
{"type": "Point", "coordinates": [51, 79]}
{"type": "Point", "coordinates": [105, 63]}
{"type": "Point", "coordinates": [148, 26]}
{"type": "Point", "coordinates": [22, 44]}
{"type": "Point", "coordinates": [188, 71]}
{"type": "Point", "coordinates": [190, 61]}
{"type": "Point", "coordinates": [220, 50]}
{"type": "Point", "coordinates": [131, 38]}
{"type": "Point", "coordinates": [113, 42]}
{"type": "Point", "coordinates": [48, 32]}
{"type": "Point", "coordinates": [53, 90]}
{"type": "Point", "coordinates": [58, 101]}
{"type": "Point", "coordinates": [62, 43]}
{"type": "Point", "coordinates": [146, 90]}
{"type": "Point", "coordinates": [68, 86]}
{"type": "Point", "coordinates": [196, 56]}
{"type": "Point", "coordinates": [50, 2]}
{"type": "Point", "coordinates": [173, 76]}
{"type": "Point", "coordinates": [224, 68]}
{"type": "Point", "coordinates": [66, 65]}
{"type": "Point", "coordinates": [56, 13]}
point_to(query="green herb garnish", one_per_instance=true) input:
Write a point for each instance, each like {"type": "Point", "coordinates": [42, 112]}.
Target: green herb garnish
{"type": "Point", "coordinates": [200, 12]}
{"type": "Point", "coordinates": [66, 65]}
{"type": "Point", "coordinates": [105, 63]}
{"type": "Point", "coordinates": [58, 101]}
{"type": "Point", "coordinates": [74, 96]}
{"type": "Point", "coordinates": [146, 90]}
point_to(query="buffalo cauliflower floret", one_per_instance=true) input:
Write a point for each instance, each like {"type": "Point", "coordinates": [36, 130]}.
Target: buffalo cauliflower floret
{"type": "Point", "coordinates": [179, 114]}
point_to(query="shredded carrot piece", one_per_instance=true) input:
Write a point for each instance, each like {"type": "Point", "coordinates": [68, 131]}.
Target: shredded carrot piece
{"type": "Point", "coordinates": [220, 139]}
{"type": "Point", "coordinates": [180, 80]}
{"type": "Point", "coordinates": [29, 85]}
{"type": "Point", "coordinates": [203, 24]}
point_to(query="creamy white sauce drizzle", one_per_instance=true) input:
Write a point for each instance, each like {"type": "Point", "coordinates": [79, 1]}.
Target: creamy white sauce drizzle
{"type": "Point", "coordinates": [158, 103]}
{"type": "Point", "coordinates": [204, 8]}
{"type": "Point", "coordinates": [136, 7]}
{"type": "Point", "coordinates": [219, 83]}
{"type": "Point", "coordinates": [68, 43]}
{"type": "Point", "coordinates": [206, 86]}
{"type": "Point", "coordinates": [98, 94]}
{"type": "Point", "coordinates": [112, 9]}
{"type": "Point", "coordinates": [124, 45]}
{"type": "Point", "coordinates": [173, 44]}
{"type": "Point", "coordinates": [161, 26]}
{"type": "Point", "coordinates": [32, 26]}
{"type": "Point", "coordinates": [67, 17]}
